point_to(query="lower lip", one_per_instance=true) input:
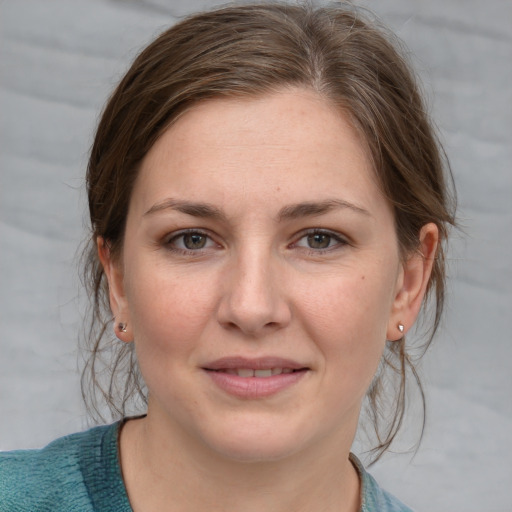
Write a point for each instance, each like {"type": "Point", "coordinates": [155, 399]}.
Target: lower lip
{"type": "Point", "coordinates": [255, 387]}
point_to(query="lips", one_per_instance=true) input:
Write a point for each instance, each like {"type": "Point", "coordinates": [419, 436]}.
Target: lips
{"type": "Point", "coordinates": [260, 363]}
{"type": "Point", "coordinates": [254, 378]}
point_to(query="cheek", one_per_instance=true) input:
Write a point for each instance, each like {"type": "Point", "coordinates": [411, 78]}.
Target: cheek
{"type": "Point", "coordinates": [169, 318]}
{"type": "Point", "coordinates": [168, 310]}
{"type": "Point", "coordinates": [347, 317]}
{"type": "Point", "coordinates": [356, 303]}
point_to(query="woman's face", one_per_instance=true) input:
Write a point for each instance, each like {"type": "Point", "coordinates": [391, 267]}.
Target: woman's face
{"type": "Point", "coordinates": [259, 276]}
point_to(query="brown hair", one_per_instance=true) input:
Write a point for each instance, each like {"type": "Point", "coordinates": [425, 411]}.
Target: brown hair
{"type": "Point", "coordinates": [252, 50]}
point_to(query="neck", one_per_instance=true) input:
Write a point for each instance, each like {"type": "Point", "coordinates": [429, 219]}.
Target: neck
{"type": "Point", "coordinates": [161, 469]}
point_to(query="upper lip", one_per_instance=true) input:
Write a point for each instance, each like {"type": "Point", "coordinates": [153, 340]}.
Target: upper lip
{"type": "Point", "coordinates": [260, 363]}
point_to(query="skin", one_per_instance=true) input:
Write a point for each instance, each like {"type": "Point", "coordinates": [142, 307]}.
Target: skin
{"type": "Point", "coordinates": [257, 283]}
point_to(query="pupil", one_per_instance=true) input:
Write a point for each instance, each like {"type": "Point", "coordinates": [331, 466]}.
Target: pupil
{"type": "Point", "coordinates": [194, 241]}
{"type": "Point", "coordinates": [319, 241]}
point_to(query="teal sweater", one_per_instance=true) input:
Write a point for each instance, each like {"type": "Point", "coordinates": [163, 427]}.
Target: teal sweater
{"type": "Point", "coordinates": [81, 472]}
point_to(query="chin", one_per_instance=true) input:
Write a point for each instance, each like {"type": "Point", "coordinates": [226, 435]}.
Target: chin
{"type": "Point", "coordinates": [253, 442]}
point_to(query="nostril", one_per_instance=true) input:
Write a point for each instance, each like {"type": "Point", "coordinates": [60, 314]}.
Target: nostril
{"type": "Point", "coordinates": [252, 306]}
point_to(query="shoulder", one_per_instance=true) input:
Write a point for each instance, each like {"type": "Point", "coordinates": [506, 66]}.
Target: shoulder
{"type": "Point", "coordinates": [373, 497]}
{"type": "Point", "coordinates": [56, 477]}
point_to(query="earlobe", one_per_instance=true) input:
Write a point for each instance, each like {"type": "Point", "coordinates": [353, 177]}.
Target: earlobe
{"type": "Point", "coordinates": [412, 284]}
{"type": "Point", "coordinates": [118, 303]}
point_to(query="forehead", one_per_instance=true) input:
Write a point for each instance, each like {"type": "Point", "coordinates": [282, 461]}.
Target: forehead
{"type": "Point", "coordinates": [293, 144]}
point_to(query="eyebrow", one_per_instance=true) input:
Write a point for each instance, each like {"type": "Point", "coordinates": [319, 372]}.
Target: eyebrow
{"type": "Point", "coordinates": [290, 212]}
{"type": "Point", "coordinates": [204, 210]}
{"type": "Point", "coordinates": [311, 209]}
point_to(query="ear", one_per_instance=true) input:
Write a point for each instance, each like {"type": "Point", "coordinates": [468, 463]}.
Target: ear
{"type": "Point", "coordinates": [118, 303]}
{"type": "Point", "coordinates": [412, 283]}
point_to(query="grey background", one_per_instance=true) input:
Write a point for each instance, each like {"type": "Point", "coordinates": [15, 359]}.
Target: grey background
{"type": "Point", "coordinates": [58, 61]}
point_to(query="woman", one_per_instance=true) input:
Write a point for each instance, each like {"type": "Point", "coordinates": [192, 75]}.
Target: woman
{"type": "Point", "coordinates": [268, 209]}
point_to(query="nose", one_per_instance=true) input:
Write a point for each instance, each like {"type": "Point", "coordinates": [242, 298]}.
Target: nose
{"type": "Point", "coordinates": [253, 299]}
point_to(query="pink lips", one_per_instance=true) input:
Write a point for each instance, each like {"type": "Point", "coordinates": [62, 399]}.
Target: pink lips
{"type": "Point", "coordinates": [254, 378]}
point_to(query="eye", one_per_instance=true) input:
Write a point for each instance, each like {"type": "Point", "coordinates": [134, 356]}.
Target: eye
{"type": "Point", "coordinates": [194, 241]}
{"type": "Point", "coordinates": [190, 241]}
{"type": "Point", "coordinates": [319, 240]}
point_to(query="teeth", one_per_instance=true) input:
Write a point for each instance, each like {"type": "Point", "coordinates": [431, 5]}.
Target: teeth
{"type": "Point", "coordinates": [247, 372]}
{"type": "Point", "coordinates": [263, 373]}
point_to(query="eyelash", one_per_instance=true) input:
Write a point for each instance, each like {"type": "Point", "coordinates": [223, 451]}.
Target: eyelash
{"type": "Point", "coordinates": [180, 235]}
{"type": "Point", "coordinates": [333, 237]}
{"type": "Point", "coordinates": [338, 240]}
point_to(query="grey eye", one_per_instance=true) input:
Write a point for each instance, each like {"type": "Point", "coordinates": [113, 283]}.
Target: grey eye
{"type": "Point", "coordinates": [319, 240]}
{"type": "Point", "coordinates": [190, 241]}
{"type": "Point", "coordinates": [194, 241]}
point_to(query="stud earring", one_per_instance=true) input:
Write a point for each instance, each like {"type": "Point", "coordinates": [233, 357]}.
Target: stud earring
{"type": "Point", "coordinates": [401, 327]}
{"type": "Point", "coordinates": [122, 327]}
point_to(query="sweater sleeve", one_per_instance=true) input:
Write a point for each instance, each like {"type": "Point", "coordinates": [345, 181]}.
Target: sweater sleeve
{"type": "Point", "coordinates": [79, 472]}
{"type": "Point", "coordinates": [43, 480]}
